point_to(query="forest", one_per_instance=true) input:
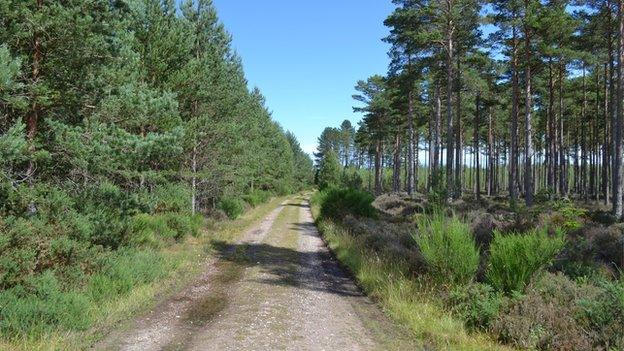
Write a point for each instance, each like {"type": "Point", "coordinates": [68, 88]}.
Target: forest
{"type": "Point", "coordinates": [496, 97]}
{"type": "Point", "coordinates": [123, 124]}
{"type": "Point", "coordinates": [480, 197]}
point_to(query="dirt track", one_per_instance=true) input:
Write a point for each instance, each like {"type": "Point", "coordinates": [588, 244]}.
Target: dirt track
{"type": "Point", "coordinates": [277, 288]}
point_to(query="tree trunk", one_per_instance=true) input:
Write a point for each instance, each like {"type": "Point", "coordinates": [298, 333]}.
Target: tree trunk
{"type": "Point", "coordinates": [550, 155]}
{"type": "Point", "coordinates": [491, 165]}
{"type": "Point", "coordinates": [449, 101]}
{"type": "Point", "coordinates": [617, 131]}
{"type": "Point", "coordinates": [396, 164]}
{"type": "Point", "coordinates": [605, 142]}
{"type": "Point", "coordinates": [562, 149]}
{"type": "Point", "coordinates": [194, 181]}
{"type": "Point", "coordinates": [416, 150]}
{"type": "Point", "coordinates": [410, 145]}
{"type": "Point", "coordinates": [477, 122]}
{"type": "Point", "coordinates": [528, 132]}
{"type": "Point", "coordinates": [513, 157]}
{"type": "Point", "coordinates": [370, 163]}
{"type": "Point", "coordinates": [458, 135]}
{"type": "Point", "coordinates": [435, 176]}
{"type": "Point", "coordinates": [378, 166]}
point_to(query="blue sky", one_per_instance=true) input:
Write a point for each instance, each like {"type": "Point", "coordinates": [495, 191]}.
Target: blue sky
{"type": "Point", "coordinates": [306, 56]}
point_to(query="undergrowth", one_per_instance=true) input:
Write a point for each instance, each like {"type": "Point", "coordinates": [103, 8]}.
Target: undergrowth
{"type": "Point", "coordinates": [68, 308]}
{"type": "Point", "coordinates": [407, 300]}
{"type": "Point", "coordinates": [516, 291]}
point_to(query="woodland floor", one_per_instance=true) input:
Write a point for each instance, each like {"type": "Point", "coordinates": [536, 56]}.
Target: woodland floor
{"type": "Point", "coordinates": [277, 287]}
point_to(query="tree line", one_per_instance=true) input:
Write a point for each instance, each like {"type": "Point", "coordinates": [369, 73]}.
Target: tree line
{"type": "Point", "coordinates": [122, 123]}
{"type": "Point", "coordinates": [501, 97]}
{"type": "Point", "coordinates": [136, 93]}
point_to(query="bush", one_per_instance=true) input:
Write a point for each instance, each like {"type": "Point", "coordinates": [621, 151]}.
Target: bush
{"type": "Point", "coordinates": [515, 258]}
{"type": "Point", "coordinates": [233, 207]}
{"type": "Point", "coordinates": [329, 171]}
{"type": "Point", "coordinates": [543, 195]}
{"type": "Point", "coordinates": [387, 239]}
{"type": "Point", "coordinates": [593, 249]}
{"type": "Point", "coordinates": [123, 270]}
{"type": "Point", "coordinates": [448, 248]}
{"type": "Point", "coordinates": [545, 318]}
{"type": "Point", "coordinates": [40, 306]}
{"type": "Point", "coordinates": [171, 198]}
{"type": "Point", "coordinates": [183, 225]}
{"type": "Point", "coordinates": [603, 314]}
{"type": "Point", "coordinates": [257, 197]}
{"type": "Point", "coordinates": [148, 230]}
{"type": "Point", "coordinates": [559, 314]}
{"type": "Point", "coordinates": [351, 178]}
{"type": "Point", "coordinates": [336, 203]}
{"type": "Point", "coordinates": [567, 216]}
{"type": "Point", "coordinates": [478, 304]}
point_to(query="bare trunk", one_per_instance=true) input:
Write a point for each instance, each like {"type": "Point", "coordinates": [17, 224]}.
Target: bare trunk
{"type": "Point", "coordinates": [194, 181]}
{"type": "Point", "coordinates": [435, 176]}
{"type": "Point", "coordinates": [528, 132]}
{"type": "Point", "coordinates": [449, 101]}
{"type": "Point", "coordinates": [551, 154]}
{"type": "Point", "coordinates": [491, 165]}
{"type": "Point", "coordinates": [416, 150]}
{"type": "Point", "coordinates": [477, 122]}
{"type": "Point", "coordinates": [458, 135]}
{"type": "Point", "coordinates": [378, 167]}
{"type": "Point", "coordinates": [513, 157]}
{"type": "Point", "coordinates": [561, 147]}
{"type": "Point", "coordinates": [396, 164]}
{"type": "Point", "coordinates": [410, 145]}
{"type": "Point", "coordinates": [617, 131]}
{"type": "Point", "coordinates": [584, 132]}
{"type": "Point", "coordinates": [605, 142]}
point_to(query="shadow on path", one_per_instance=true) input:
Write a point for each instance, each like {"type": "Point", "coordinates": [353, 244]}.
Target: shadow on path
{"type": "Point", "coordinates": [316, 271]}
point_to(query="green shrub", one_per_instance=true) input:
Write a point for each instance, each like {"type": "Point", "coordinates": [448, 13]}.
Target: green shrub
{"type": "Point", "coordinates": [282, 187]}
{"type": "Point", "coordinates": [123, 270]}
{"type": "Point", "coordinates": [515, 258]}
{"type": "Point", "coordinates": [337, 203]}
{"type": "Point", "coordinates": [557, 313]}
{"type": "Point", "coordinates": [183, 225]}
{"type": "Point", "coordinates": [40, 306]}
{"type": "Point", "coordinates": [567, 216]}
{"type": "Point", "coordinates": [257, 197]}
{"type": "Point", "coordinates": [448, 248]}
{"type": "Point", "coordinates": [316, 200]}
{"type": "Point", "coordinates": [603, 313]}
{"type": "Point", "coordinates": [477, 304]}
{"type": "Point", "coordinates": [351, 178]}
{"type": "Point", "coordinates": [150, 230]}
{"type": "Point", "coordinates": [233, 207]}
{"type": "Point", "coordinates": [171, 198]}
{"type": "Point", "coordinates": [543, 195]}
{"type": "Point", "coordinates": [329, 171]}
{"type": "Point", "coordinates": [545, 318]}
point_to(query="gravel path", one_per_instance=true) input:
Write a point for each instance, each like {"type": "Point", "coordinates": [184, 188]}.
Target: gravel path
{"type": "Point", "coordinates": [278, 288]}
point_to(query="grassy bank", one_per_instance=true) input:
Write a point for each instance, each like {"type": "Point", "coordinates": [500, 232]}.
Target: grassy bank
{"type": "Point", "coordinates": [131, 282]}
{"type": "Point", "coordinates": [406, 299]}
